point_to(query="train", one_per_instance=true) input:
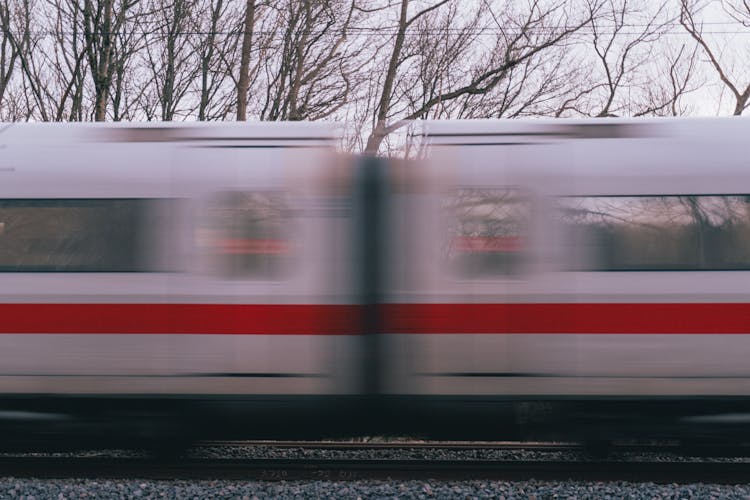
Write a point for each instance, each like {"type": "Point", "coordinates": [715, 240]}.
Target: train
{"type": "Point", "coordinates": [507, 279]}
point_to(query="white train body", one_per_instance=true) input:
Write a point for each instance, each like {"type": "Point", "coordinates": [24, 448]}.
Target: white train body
{"type": "Point", "coordinates": [516, 262]}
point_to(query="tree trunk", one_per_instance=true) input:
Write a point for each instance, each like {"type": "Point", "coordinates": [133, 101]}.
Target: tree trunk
{"type": "Point", "coordinates": [378, 133]}
{"type": "Point", "coordinates": [244, 80]}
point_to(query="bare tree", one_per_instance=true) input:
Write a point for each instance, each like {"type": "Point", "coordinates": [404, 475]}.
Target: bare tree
{"type": "Point", "coordinates": [102, 20]}
{"type": "Point", "coordinates": [313, 66]}
{"type": "Point", "coordinates": [50, 50]}
{"type": "Point", "coordinates": [24, 42]}
{"type": "Point", "coordinates": [65, 66]}
{"type": "Point", "coordinates": [720, 60]}
{"type": "Point", "coordinates": [634, 69]}
{"type": "Point", "coordinates": [170, 61]}
{"type": "Point", "coordinates": [676, 78]}
{"type": "Point", "coordinates": [619, 53]}
{"type": "Point", "coordinates": [8, 50]}
{"type": "Point", "coordinates": [536, 87]}
{"type": "Point", "coordinates": [129, 80]}
{"type": "Point", "coordinates": [375, 64]}
{"type": "Point", "coordinates": [221, 26]}
{"type": "Point", "coordinates": [516, 36]}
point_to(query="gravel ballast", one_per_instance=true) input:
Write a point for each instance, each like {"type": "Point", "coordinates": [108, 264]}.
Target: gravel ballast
{"type": "Point", "coordinates": [29, 489]}
{"type": "Point", "coordinates": [139, 488]}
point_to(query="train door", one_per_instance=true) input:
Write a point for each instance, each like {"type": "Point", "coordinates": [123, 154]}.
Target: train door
{"type": "Point", "coordinates": [470, 254]}
{"type": "Point", "coordinates": [271, 254]}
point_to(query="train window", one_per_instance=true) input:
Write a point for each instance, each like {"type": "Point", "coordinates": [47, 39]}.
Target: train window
{"type": "Point", "coordinates": [245, 234]}
{"type": "Point", "coordinates": [654, 233]}
{"type": "Point", "coordinates": [73, 235]}
{"type": "Point", "coordinates": [487, 231]}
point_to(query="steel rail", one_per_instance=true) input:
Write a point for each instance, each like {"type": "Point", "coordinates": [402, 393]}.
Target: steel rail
{"type": "Point", "coordinates": [325, 469]}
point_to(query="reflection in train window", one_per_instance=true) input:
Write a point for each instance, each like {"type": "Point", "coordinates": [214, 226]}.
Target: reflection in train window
{"type": "Point", "coordinates": [643, 233]}
{"type": "Point", "coordinates": [74, 235]}
{"type": "Point", "coordinates": [487, 231]}
{"type": "Point", "coordinates": [246, 234]}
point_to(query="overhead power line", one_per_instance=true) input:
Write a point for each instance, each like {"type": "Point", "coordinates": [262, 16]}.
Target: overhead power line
{"type": "Point", "coordinates": [487, 32]}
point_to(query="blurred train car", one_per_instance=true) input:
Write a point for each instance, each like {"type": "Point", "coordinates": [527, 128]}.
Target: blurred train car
{"type": "Point", "coordinates": [577, 279]}
{"type": "Point", "coordinates": [590, 274]}
{"type": "Point", "coordinates": [160, 279]}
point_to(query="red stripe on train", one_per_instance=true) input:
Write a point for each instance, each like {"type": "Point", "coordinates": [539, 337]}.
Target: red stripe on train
{"type": "Point", "coordinates": [319, 319]}
{"type": "Point", "coordinates": [567, 318]}
{"type": "Point", "coordinates": [247, 319]}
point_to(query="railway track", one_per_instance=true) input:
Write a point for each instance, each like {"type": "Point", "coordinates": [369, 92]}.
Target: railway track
{"type": "Point", "coordinates": [334, 469]}
{"type": "Point", "coordinates": [338, 469]}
